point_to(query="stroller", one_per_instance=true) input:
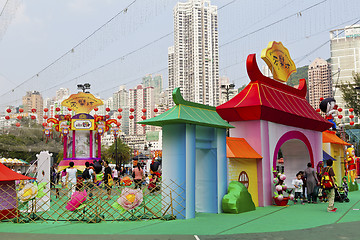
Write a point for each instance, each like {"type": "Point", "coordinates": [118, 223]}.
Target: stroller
{"type": "Point", "coordinates": [341, 195]}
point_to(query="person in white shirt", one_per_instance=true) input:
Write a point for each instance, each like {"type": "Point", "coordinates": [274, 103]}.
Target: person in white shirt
{"type": "Point", "coordinates": [298, 184]}
{"type": "Point", "coordinates": [71, 177]}
{"type": "Point", "coordinates": [115, 174]}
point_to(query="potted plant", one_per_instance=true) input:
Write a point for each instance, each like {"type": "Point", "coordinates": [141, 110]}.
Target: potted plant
{"type": "Point", "coordinates": [282, 194]}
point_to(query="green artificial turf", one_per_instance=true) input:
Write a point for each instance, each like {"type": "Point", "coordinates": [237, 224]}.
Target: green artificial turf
{"type": "Point", "coordinates": [263, 219]}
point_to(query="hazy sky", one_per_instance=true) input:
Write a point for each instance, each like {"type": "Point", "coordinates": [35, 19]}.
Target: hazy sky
{"type": "Point", "coordinates": [136, 40]}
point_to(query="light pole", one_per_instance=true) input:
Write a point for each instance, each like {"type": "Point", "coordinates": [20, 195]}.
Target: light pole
{"type": "Point", "coordinates": [84, 87]}
{"type": "Point", "coordinates": [227, 89]}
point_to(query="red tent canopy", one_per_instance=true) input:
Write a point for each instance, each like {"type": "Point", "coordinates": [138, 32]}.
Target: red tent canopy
{"type": "Point", "coordinates": [267, 99]}
{"type": "Point", "coordinates": [6, 174]}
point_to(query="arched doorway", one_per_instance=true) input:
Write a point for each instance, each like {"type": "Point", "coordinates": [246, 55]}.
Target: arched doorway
{"type": "Point", "coordinates": [296, 151]}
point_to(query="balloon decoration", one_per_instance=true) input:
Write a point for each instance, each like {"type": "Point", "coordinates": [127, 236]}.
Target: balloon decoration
{"type": "Point", "coordinates": [21, 110]}
{"type": "Point", "coordinates": [33, 110]}
{"type": "Point", "coordinates": [339, 109]}
{"type": "Point", "coordinates": [46, 109]}
{"type": "Point", "coordinates": [33, 117]}
{"type": "Point", "coordinates": [352, 123]}
{"type": "Point", "coordinates": [120, 110]}
{"type": "Point", "coordinates": [131, 117]}
{"type": "Point", "coordinates": [340, 116]}
{"type": "Point", "coordinates": [17, 124]}
{"type": "Point", "coordinates": [131, 110]}
{"type": "Point", "coordinates": [143, 117]}
{"type": "Point", "coordinates": [57, 109]}
{"type": "Point", "coordinates": [351, 109]}
{"type": "Point", "coordinates": [96, 109]}
{"type": "Point", "coordinates": [119, 117]}
{"type": "Point", "coordinates": [156, 110]}
{"type": "Point", "coordinates": [19, 117]}
{"type": "Point", "coordinates": [143, 110]}
{"type": "Point", "coordinates": [8, 110]}
{"type": "Point", "coordinates": [7, 117]}
{"type": "Point", "coordinates": [107, 109]}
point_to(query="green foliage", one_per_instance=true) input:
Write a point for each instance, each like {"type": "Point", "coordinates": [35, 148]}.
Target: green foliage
{"type": "Point", "coordinates": [238, 199]}
{"type": "Point", "coordinates": [123, 152]}
{"type": "Point", "coordinates": [301, 73]}
{"type": "Point", "coordinates": [350, 93]}
{"type": "Point", "coordinates": [26, 141]}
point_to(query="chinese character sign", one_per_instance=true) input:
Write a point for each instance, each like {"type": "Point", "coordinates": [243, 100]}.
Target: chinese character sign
{"type": "Point", "coordinates": [278, 59]}
{"type": "Point", "coordinates": [82, 102]}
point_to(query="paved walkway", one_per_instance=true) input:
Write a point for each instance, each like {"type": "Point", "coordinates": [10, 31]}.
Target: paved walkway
{"type": "Point", "coordinates": [310, 221]}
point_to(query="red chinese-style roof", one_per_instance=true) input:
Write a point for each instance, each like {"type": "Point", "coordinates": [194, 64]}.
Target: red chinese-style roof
{"type": "Point", "coordinates": [6, 174]}
{"type": "Point", "coordinates": [267, 99]}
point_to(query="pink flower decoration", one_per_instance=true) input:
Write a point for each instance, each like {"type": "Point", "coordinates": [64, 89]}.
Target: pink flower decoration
{"type": "Point", "coordinates": [280, 197]}
{"type": "Point", "coordinates": [276, 181]}
{"type": "Point", "coordinates": [284, 187]}
{"type": "Point", "coordinates": [130, 198]}
{"type": "Point", "coordinates": [278, 188]}
{"type": "Point", "coordinates": [77, 198]}
{"type": "Point", "coordinates": [282, 177]}
{"type": "Point", "coordinates": [291, 196]}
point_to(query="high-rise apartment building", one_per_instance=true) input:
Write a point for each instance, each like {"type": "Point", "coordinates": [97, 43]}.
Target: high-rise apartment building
{"type": "Point", "coordinates": [320, 82]}
{"type": "Point", "coordinates": [345, 56]}
{"type": "Point", "coordinates": [140, 99]}
{"type": "Point", "coordinates": [345, 60]}
{"type": "Point", "coordinates": [194, 58]}
{"type": "Point", "coordinates": [62, 94]}
{"type": "Point", "coordinates": [33, 99]}
{"type": "Point", "coordinates": [121, 98]}
{"type": "Point", "coordinates": [156, 82]}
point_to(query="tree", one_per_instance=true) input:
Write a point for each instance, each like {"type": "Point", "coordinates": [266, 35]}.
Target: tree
{"type": "Point", "coordinates": [350, 93]}
{"type": "Point", "coordinates": [123, 152]}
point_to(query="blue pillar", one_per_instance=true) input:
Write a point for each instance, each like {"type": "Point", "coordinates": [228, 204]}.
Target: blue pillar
{"type": "Point", "coordinates": [222, 171]}
{"type": "Point", "coordinates": [174, 167]}
{"type": "Point", "coordinates": [190, 170]}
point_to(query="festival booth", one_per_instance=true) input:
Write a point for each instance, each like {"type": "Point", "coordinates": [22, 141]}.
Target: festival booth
{"type": "Point", "coordinates": [8, 199]}
{"type": "Point", "coordinates": [334, 146]}
{"type": "Point", "coordinates": [242, 165]}
{"type": "Point", "coordinates": [81, 132]}
{"type": "Point", "coordinates": [271, 115]}
{"type": "Point", "coordinates": [194, 156]}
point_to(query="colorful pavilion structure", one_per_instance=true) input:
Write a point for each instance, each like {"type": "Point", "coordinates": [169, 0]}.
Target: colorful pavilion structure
{"type": "Point", "coordinates": [194, 160]}
{"type": "Point", "coordinates": [271, 115]}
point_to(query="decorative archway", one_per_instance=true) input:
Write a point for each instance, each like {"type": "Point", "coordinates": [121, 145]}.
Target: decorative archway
{"type": "Point", "coordinates": [293, 135]}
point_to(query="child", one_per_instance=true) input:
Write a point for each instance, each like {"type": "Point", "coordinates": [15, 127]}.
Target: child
{"type": "Point", "coordinates": [298, 184]}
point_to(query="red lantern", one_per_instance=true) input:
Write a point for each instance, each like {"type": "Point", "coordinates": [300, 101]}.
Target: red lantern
{"type": "Point", "coordinates": [351, 116]}
{"type": "Point", "coordinates": [340, 116]}
{"type": "Point", "coordinates": [33, 117]}
{"type": "Point", "coordinates": [21, 110]}
{"type": "Point", "coordinates": [57, 109]}
{"type": "Point", "coordinates": [351, 123]}
{"type": "Point", "coordinates": [351, 110]}
{"type": "Point", "coordinates": [143, 117]}
{"type": "Point", "coordinates": [143, 110]}
{"type": "Point", "coordinates": [96, 109]}
{"type": "Point", "coordinates": [107, 116]}
{"type": "Point", "coordinates": [118, 124]}
{"type": "Point", "coordinates": [44, 124]}
{"type": "Point", "coordinates": [132, 110]}
{"type": "Point", "coordinates": [119, 117]}
{"type": "Point", "coordinates": [131, 117]}
{"type": "Point", "coordinates": [19, 117]}
{"type": "Point", "coordinates": [156, 110]}
{"type": "Point", "coordinates": [69, 109]}
{"type": "Point", "coordinates": [33, 110]}
{"type": "Point", "coordinates": [143, 125]}
{"type": "Point", "coordinates": [17, 124]}
{"type": "Point", "coordinates": [46, 109]}
{"type": "Point", "coordinates": [45, 116]}
{"type": "Point", "coordinates": [7, 117]}
{"type": "Point", "coordinates": [321, 98]}
{"type": "Point", "coordinates": [107, 109]}
{"type": "Point", "coordinates": [95, 116]}
{"type": "Point", "coordinates": [340, 109]}
{"type": "Point", "coordinates": [120, 110]}
{"type": "Point", "coordinates": [56, 116]}
{"type": "Point", "coordinates": [8, 110]}
{"type": "Point", "coordinates": [318, 110]}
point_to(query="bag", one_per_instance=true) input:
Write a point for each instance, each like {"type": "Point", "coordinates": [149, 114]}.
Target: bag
{"type": "Point", "coordinates": [85, 175]}
{"type": "Point", "coordinates": [326, 181]}
{"type": "Point", "coordinates": [110, 181]}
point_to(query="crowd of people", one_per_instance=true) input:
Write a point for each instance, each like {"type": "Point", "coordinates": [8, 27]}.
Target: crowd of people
{"type": "Point", "coordinates": [311, 185]}
{"type": "Point", "coordinates": [102, 175]}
